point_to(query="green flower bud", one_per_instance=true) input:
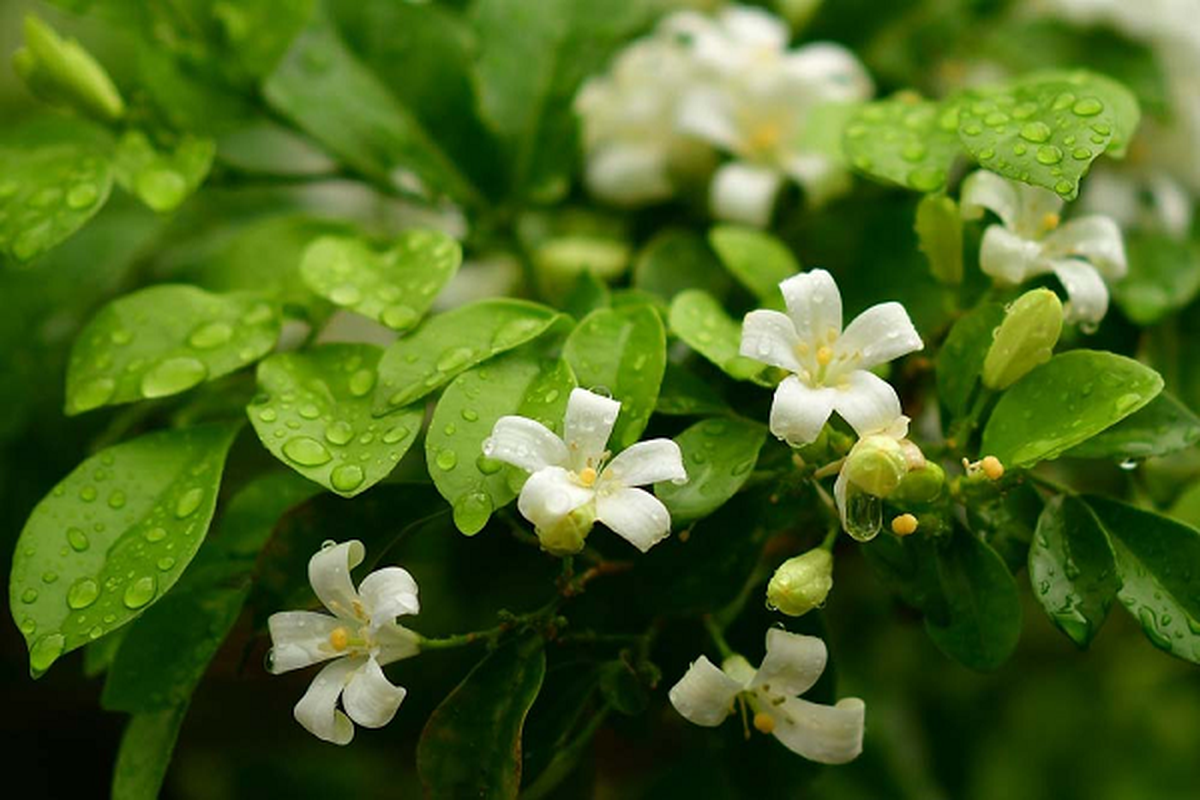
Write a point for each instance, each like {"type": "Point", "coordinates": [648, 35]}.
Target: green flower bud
{"type": "Point", "coordinates": [940, 236]}
{"type": "Point", "coordinates": [567, 537]}
{"type": "Point", "coordinates": [60, 71]}
{"type": "Point", "coordinates": [801, 583]}
{"type": "Point", "coordinates": [876, 465]}
{"type": "Point", "coordinates": [921, 485]}
{"type": "Point", "coordinates": [1025, 339]}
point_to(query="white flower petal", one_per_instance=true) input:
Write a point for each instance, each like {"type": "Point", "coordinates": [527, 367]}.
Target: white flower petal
{"type": "Point", "coordinates": [839, 495]}
{"type": "Point", "coordinates": [867, 402]}
{"type": "Point", "coordinates": [1095, 239]}
{"type": "Point", "coordinates": [317, 710]}
{"type": "Point", "coordinates": [878, 335]}
{"type": "Point", "coordinates": [825, 734]}
{"type": "Point", "coordinates": [388, 593]}
{"type": "Point", "coordinates": [635, 515]}
{"type": "Point", "coordinates": [1008, 257]}
{"type": "Point", "coordinates": [798, 411]}
{"type": "Point", "coordinates": [525, 443]}
{"type": "Point", "coordinates": [299, 639]}
{"type": "Point", "coordinates": [704, 695]}
{"type": "Point", "coordinates": [770, 337]}
{"type": "Point", "coordinates": [744, 193]}
{"type": "Point", "coordinates": [830, 71]}
{"type": "Point", "coordinates": [329, 574]}
{"type": "Point", "coordinates": [793, 663]}
{"type": "Point", "coordinates": [549, 495]}
{"type": "Point", "coordinates": [647, 462]}
{"type": "Point", "coordinates": [822, 177]}
{"type": "Point", "coordinates": [815, 306]}
{"type": "Point", "coordinates": [754, 27]}
{"type": "Point", "coordinates": [707, 113]}
{"type": "Point", "coordinates": [589, 422]}
{"type": "Point", "coordinates": [1037, 206]}
{"type": "Point", "coordinates": [628, 174]}
{"type": "Point", "coordinates": [394, 642]}
{"type": "Point", "coordinates": [1087, 295]}
{"type": "Point", "coordinates": [1172, 204]}
{"type": "Point", "coordinates": [986, 191]}
{"type": "Point", "coordinates": [370, 699]}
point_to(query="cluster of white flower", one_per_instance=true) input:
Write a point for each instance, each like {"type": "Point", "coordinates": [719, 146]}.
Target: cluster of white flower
{"type": "Point", "coordinates": [728, 82]}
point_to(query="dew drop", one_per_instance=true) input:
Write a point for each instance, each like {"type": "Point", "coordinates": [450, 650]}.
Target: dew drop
{"type": "Point", "coordinates": [1049, 154]}
{"type": "Point", "coordinates": [165, 563]}
{"type": "Point", "coordinates": [455, 359]}
{"type": "Point", "coordinates": [213, 334]}
{"type": "Point", "coordinates": [864, 514]}
{"type": "Point", "coordinates": [399, 317]}
{"type": "Point", "coordinates": [77, 539]}
{"type": "Point", "coordinates": [1036, 132]}
{"type": "Point", "coordinates": [447, 459]}
{"type": "Point", "coordinates": [188, 502]}
{"type": "Point", "coordinates": [362, 382]}
{"type": "Point", "coordinates": [172, 376]}
{"type": "Point", "coordinates": [116, 499]}
{"type": "Point", "coordinates": [345, 295]}
{"type": "Point", "coordinates": [82, 195]}
{"type": "Point", "coordinates": [29, 595]}
{"type": "Point", "coordinates": [347, 477]}
{"type": "Point", "coordinates": [140, 592]}
{"type": "Point", "coordinates": [1088, 107]}
{"type": "Point", "coordinates": [396, 434]}
{"type": "Point", "coordinates": [83, 593]}
{"type": "Point", "coordinates": [268, 415]}
{"type": "Point", "coordinates": [471, 511]}
{"type": "Point", "coordinates": [156, 534]}
{"type": "Point", "coordinates": [340, 432]}
{"type": "Point", "coordinates": [93, 394]}
{"type": "Point", "coordinates": [309, 411]}
{"type": "Point", "coordinates": [45, 652]}
{"type": "Point", "coordinates": [306, 451]}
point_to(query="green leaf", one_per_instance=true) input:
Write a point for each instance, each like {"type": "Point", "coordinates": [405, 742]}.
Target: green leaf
{"type": "Point", "coordinates": [676, 260]}
{"type": "Point", "coordinates": [757, 260]}
{"type": "Point", "coordinates": [1163, 426]}
{"type": "Point", "coordinates": [1164, 276]}
{"type": "Point", "coordinates": [1065, 401]}
{"type": "Point", "coordinates": [1047, 128]}
{"type": "Point", "coordinates": [164, 340]}
{"type": "Point", "coordinates": [113, 537]}
{"type": "Point", "coordinates": [702, 323]}
{"type": "Point", "coordinates": [982, 603]}
{"type": "Point", "coordinates": [940, 237]}
{"type": "Point", "coordinates": [145, 753]}
{"type": "Point", "coordinates": [531, 61]}
{"type": "Point", "coordinates": [62, 72]}
{"type": "Point", "coordinates": [622, 350]}
{"type": "Point", "coordinates": [471, 746]}
{"type": "Point", "coordinates": [905, 140]}
{"type": "Point", "coordinates": [323, 88]}
{"type": "Point", "coordinates": [162, 175]}
{"type": "Point", "coordinates": [167, 650]}
{"type": "Point", "coordinates": [446, 345]}
{"type": "Point", "coordinates": [395, 286]}
{"type": "Point", "coordinates": [1072, 570]}
{"type": "Point", "coordinates": [1158, 561]}
{"type": "Point", "coordinates": [960, 361]}
{"type": "Point", "coordinates": [54, 176]}
{"type": "Point", "coordinates": [315, 416]}
{"type": "Point", "coordinates": [908, 567]}
{"type": "Point", "coordinates": [258, 32]}
{"type": "Point", "coordinates": [683, 393]}
{"type": "Point", "coordinates": [719, 455]}
{"type": "Point", "coordinates": [520, 383]}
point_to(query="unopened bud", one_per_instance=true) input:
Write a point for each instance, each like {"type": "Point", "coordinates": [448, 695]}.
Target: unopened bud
{"type": "Point", "coordinates": [566, 537]}
{"type": "Point", "coordinates": [60, 71]}
{"type": "Point", "coordinates": [921, 485]}
{"type": "Point", "coordinates": [1024, 339]}
{"type": "Point", "coordinates": [876, 465]}
{"type": "Point", "coordinates": [801, 583]}
{"type": "Point", "coordinates": [992, 467]}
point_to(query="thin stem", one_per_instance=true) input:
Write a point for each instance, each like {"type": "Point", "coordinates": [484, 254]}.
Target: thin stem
{"type": "Point", "coordinates": [830, 538]}
{"type": "Point", "coordinates": [718, 635]}
{"type": "Point", "coordinates": [565, 758]}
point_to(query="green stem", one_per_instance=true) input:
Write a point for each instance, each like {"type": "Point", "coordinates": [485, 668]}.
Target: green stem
{"type": "Point", "coordinates": [963, 431]}
{"type": "Point", "coordinates": [718, 636]}
{"type": "Point", "coordinates": [565, 759]}
{"type": "Point", "coordinates": [831, 538]}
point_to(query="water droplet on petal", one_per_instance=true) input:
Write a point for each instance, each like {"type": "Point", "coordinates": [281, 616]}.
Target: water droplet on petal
{"type": "Point", "coordinates": [347, 477]}
{"type": "Point", "coordinates": [306, 451]}
{"type": "Point", "coordinates": [83, 593]}
{"type": "Point", "coordinates": [140, 592]}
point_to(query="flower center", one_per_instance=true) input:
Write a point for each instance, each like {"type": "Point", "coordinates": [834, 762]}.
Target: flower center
{"type": "Point", "coordinates": [764, 722]}
{"type": "Point", "coordinates": [587, 476]}
{"type": "Point", "coordinates": [764, 138]}
{"type": "Point", "coordinates": [824, 355]}
{"type": "Point", "coordinates": [1050, 221]}
{"type": "Point", "coordinates": [339, 639]}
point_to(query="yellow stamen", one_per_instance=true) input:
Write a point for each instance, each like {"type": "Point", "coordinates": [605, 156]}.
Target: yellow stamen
{"type": "Point", "coordinates": [992, 467]}
{"type": "Point", "coordinates": [339, 639]}
{"type": "Point", "coordinates": [587, 476]}
{"type": "Point", "coordinates": [764, 722]}
{"type": "Point", "coordinates": [904, 525]}
{"type": "Point", "coordinates": [1050, 221]}
{"type": "Point", "coordinates": [824, 355]}
{"type": "Point", "coordinates": [765, 137]}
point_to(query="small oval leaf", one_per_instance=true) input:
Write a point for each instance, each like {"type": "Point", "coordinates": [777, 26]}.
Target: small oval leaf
{"type": "Point", "coordinates": [757, 260]}
{"type": "Point", "coordinates": [702, 323]}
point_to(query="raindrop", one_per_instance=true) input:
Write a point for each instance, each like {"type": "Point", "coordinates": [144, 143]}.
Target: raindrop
{"type": "Point", "coordinates": [156, 534]}
{"type": "Point", "coordinates": [45, 652]}
{"type": "Point", "coordinates": [347, 477]}
{"type": "Point", "coordinates": [213, 334]}
{"type": "Point", "coordinates": [29, 595]}
{"type": "Point", "coordinates": [140, 592]}
{"type": "Point", "coordinates": [306, 451]}
{"type": "Point", "coordinates": [188, 502]}
{"type": "Point", "coordinates": [83, 593]}
{"type": "Point", "coordinates": [340, 432]}
{"type": "Point", "coordinates": [396, 434]}
{"type": "Point", "coordinates": [172, 376]}
{"type": "Point", "coordinates": [471, 511]}
{"type": "Point", "coordinates": [309, 411]}
{"type": "Point", "coordinates": [1049, 154]}
{"type": "Point", "coordinates": [116, 499]}
{"type": "Point", "coordinates": [82, 195]}
{"type": "Point", "coordinates": [362, 382]}
{"type": "Point", "coordinates": [77, 539]}
{"type": "Point", "coordinates": [447, 459]}
{"type": "Point", "coordinates": [1088, 107]}
{"type": "Point", "coordinates": [165, 563]}
{"type": "Point", "coordinates": [864, 514]}
{"type": "Point", "coordinates": [399, 317]}
{"type": "Point", "coordinates": [345, 295]}
{"type": "Point", "coordinates": [455, 359]}
{"type": "Point", "coordinates": [1036, 132]}
{"type": "Point", "coordinates": [268, 415]}
{"type": "Point", "coordinates": [93, 394]}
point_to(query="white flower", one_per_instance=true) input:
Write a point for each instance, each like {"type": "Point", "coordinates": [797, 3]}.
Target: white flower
{"type": "Point", "coordinates": [755, 101]}
{"type": "Point", "coordinates": [362, 636]}
{"type": "Point", "coordinates": [829, 366]}
{"type": "Point", "coordinates": [1030, 242]}
{"type": "Point", "coordinates": [705, 695]}
{"type": "Point", "coordinates": [1139, 196]}
{"type": "Point", "coordinates": [569, 476]}
{"type": "Point", "coordinates": [628, 122]}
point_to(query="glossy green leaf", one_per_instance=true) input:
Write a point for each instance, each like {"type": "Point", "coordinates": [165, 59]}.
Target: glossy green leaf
{"type": "Point", "coordinates": [719, 455]}
{"type": "Point", "coordinates": [676, 260]}
{"type": "Point", "coordinates": [623, 351]}
{"type": "Point", "coordinates": [1065, 401]}
{"type": "Point", "coordinates": [162, 175]}
{"type": "Point", "coordinates": [395, 286]}
{"type": "Point", "coordinates": [54, 176]}
{"type": "Point", "coordinates": [906, 140]}
{"type": "Point", "coordinates": [1072, 570]}
{"type": "Point", "coordinates": [167, 650]}
{"type": "Point", "coordinates": [758, 260]}
{"type": "Point", "coordinates": [908, 567]}
{"type": "Point", "coordinates": [1047, 128]}
{"type": "Point", "coordinates": [164, 340]}
{"type": "Point", "coordinates": [1163, 426]}
{"type": "Point", "coordinates": [315, 416]}
{"type": "Point", "coordinates": [447, 344]}
{"type": "Point", "coordinates": [683, 393]}
{"type": "Point", "coordinates": [939, 229]}
{"type": "Point", "coordinates": [702, 323]}
{"type": "Point", "coordinates": [471, 745]}
{"type": "Point", "coordinates": [519, 383]}
{"type": "Point", "coordinates": [983, 605]}
{"type": "Point", "coordinates": [1158, 561]}
{"type": "Point", "coordinates": [145, 753]}
{"type": "Point", "coordinates": [1164, 276]}
{"type": "Point", "coordinates": [113, 537]}
{"type": "Point", "coordinates": [327, 92]}
{"type": "Point", "coordinates": [960, 361]}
